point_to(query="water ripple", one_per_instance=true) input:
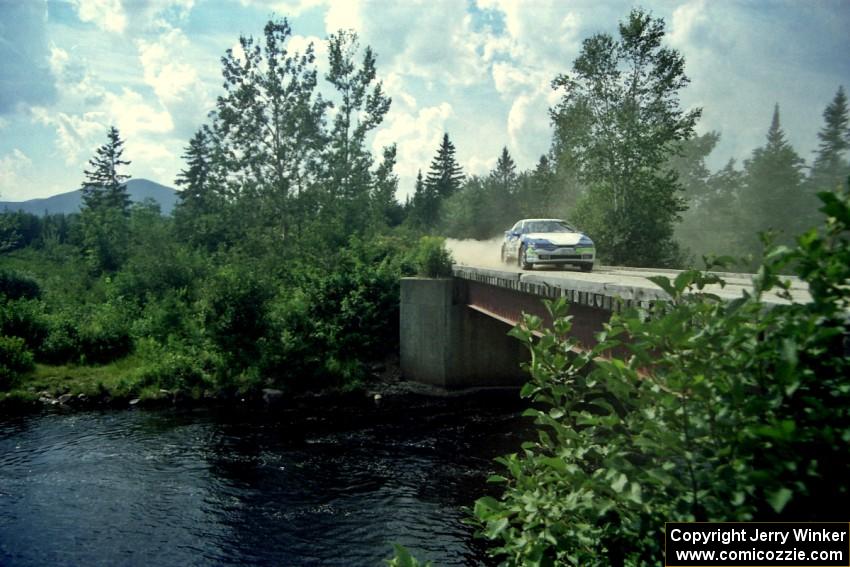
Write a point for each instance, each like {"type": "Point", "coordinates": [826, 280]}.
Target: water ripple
{"type": "Point", "coordinates": [217, 488]}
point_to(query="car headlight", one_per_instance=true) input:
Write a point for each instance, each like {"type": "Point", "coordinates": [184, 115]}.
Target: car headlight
{"type": "Point", "coordinates": [585, 242]}
{"type": "Point", "coordinates": [541, 243]}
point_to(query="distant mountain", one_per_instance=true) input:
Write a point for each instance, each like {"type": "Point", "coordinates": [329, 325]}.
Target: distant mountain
{"type": "Point", "coordinates": [139, 190]}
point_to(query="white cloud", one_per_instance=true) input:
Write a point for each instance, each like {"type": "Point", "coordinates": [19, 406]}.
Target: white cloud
{"type": "Point", "coordinates": [433, 40]}
{"type": "Point", "coordinates": [170, 78]}
{"type": "Point", "coordinates": [132, 115]}
{"type": "Point", "coordinates": [528, 127]}
{"type": "Point", "coordinates": [76, 136]}
{"type": "Point", "coordinates": [686, 19]}
{"type": "Point", "coordinates": [107, 15]}
{"type": "Point", "coordinates": [539, 32]}
{"type": "Point", "coordinates": [154, 159]}
{"type": "Point", "coordinates": [290, 8]}
{"type": "Point", "coordinates": [345, 15]}
{"type": "Point", "coordinates": [480, 165]}
{"type": "Point", "coordinates": [174, 80]}
{"type": "Point", "coordinates": [394, 86]}
{"type": "Point", "coordinates": [14, 170]}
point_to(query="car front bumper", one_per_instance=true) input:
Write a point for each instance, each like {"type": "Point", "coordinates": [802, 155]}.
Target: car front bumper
{"type": "Point", "coordinates": [563, 255]}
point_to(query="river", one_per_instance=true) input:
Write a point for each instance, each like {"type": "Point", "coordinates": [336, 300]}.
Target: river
{"type": "Point", "coordinates": [332, 485]}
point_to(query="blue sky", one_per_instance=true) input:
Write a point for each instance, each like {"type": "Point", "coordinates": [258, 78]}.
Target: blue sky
{"type": "Point", "coordinates": [478, 69]}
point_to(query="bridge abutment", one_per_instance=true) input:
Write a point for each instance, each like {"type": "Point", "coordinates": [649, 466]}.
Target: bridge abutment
{"type": "Point", "coordinates": [447, 344]}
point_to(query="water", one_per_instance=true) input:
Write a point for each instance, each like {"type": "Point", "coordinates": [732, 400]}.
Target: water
{"type": "Point", "coordinates": [332, 486]}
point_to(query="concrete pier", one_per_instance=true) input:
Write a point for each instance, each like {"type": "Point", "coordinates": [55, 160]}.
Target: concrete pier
{"type": "Point", "coordinates": [446, 344]}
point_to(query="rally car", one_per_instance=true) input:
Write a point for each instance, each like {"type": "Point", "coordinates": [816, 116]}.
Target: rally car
{"type": "Point", "coordinates": [547, 241]}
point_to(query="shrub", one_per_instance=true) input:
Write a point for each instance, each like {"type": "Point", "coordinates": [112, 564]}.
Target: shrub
{"type": "Point", "coordinates": [14, 360]}
{"type": "Point", "coordinates": [24, 318]}
{"type": "Point", "coordinates": [177, 369]}
{"type": "Point", "coordinates": [234, 305]}
{"type": "Point", "coordinates": [93, 335]}
{"type": "Point", "coordinates": [104, 336]}
{"type": "Point", "coordinates": [722, 411]}
{"type": "Point", "coordinates": [431, 258]}
{"type": "Point", "coordinates": [62, 343]}
{"type": "Point", "coordinates": [15, 285]}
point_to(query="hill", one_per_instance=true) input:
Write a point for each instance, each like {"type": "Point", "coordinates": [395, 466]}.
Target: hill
{"type": "Point", "coordinates": [139, 190]}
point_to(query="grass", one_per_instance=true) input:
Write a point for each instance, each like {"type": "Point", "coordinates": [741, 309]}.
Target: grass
{"type": "Point", "coordinates": [118, 379]}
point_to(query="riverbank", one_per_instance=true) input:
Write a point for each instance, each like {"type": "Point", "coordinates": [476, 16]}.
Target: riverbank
{"type": "Point", "coordinates": [74, 388]}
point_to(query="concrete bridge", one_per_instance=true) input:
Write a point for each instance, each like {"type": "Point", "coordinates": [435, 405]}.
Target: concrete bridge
{"type": "Point", "coordinates": [453, 330]}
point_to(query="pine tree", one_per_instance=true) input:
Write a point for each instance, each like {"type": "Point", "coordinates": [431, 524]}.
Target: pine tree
{"type": "Point", "coordinates": [386, 209]}
{"type": "Point", "coordinates": [500, 189]}
{"type": "Point", "coordinates": [445, 175]}
{"type": "Point", "coordinates": [425, 205]}
{"type": "Point", "coordinates": [195, 179]}
{"type": "Point", "coordinates": [830, 169]}
{"type": "Point", "coordinates": [200, 216]}
{"type": "Point", "coordinates": [505, 172]}
{"type": "Point", "coordinates": [104, 185]}
{"type": "Point", "coordinates": [537, 195]}
{"type": "Point", "coordinates": [106, 207]}
{"type": "Point", "coordinates": [772, 197]}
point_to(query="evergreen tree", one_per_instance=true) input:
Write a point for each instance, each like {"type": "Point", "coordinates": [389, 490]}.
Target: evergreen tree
{"type": "Point", "coordinates": [713, 224]}
{"type": "Point", "coordinates": [617, 120]}
{"type": "Point", "coordinates": [688, 162]}
{"type": "Point", "coordinates": [445, 175]}
{"type": "Point", "coordinates": [106, 206]}
{"type": "Point", "coordinates": [537, 192]}
{"type": "Point", "coordinates": [500, 187]}
{"type": "Point", "coordinates": [104, 185]}
{"type": "Point", "coordinates": [830, 168]}
{"type": "Point", "coordinates": [200, 215]}
{"type": "Point", "coordinates": [386, 209]}
{"type": "Point", "coordinates": [505, 172]}
{"type": "Point", "coordinates": [425, 205]}
{"type": "Point", "coordinates": [773, 197]}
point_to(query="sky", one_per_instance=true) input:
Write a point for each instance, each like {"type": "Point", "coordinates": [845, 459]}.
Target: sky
{"type": "Point", "coordinates": [478, 69]}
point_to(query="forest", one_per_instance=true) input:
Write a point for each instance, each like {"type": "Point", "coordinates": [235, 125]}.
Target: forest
{"type": "Point", "coordinates": [280, 264]}
{"type": "Point", "coordinates": [280, 268]}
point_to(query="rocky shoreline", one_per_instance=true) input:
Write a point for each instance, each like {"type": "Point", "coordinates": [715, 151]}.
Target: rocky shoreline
{"type": "Point", "coordinates": [386, 388]}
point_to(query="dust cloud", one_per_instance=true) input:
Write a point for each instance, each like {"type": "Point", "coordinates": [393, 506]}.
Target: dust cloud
{"type": "Point", "coordinates": [485, 253]}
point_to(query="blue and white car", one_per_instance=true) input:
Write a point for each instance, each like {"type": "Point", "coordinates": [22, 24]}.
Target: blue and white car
{"type": "Point", "coordinates": [547, 241]}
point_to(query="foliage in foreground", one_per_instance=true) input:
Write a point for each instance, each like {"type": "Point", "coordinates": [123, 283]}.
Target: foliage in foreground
{"type": "Point", "coordinates": [700, 410]}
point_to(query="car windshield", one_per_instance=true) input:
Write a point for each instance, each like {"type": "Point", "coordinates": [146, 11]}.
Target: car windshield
{"type": "Point", "coordinates": [548, 226]}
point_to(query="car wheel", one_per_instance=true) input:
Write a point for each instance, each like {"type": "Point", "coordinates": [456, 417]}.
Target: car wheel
{"type": "Point", "coordinates": [586, 267]}
{"type": "Point", "coordinates": [522, 259]}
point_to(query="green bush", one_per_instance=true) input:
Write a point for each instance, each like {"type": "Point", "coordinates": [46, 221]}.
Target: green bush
{"type": "Point", "coordinates": [62, 342]}
{"type": "Point", "coordinates": [14, 360]}
{"type": "Point", "coordinates": [24, 318]}
{"type": "Point", "coordinates": [179, 369]}
{"type": "Point", "coordinates": [89, 335]}
{"type": "Point", "coordinates": [431, 258]}
{"type": "Point", "coordinates": [234, 311]}
{"type": "Point", "coordinates": [720, 411]}
{"type": "Point", "coordinates": [15, 285]}
{"type": "Point", "coordinates": [104, 336]}
{"type": "Point", "coordinates": [349, 315]}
